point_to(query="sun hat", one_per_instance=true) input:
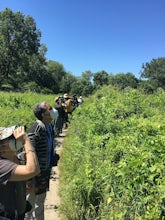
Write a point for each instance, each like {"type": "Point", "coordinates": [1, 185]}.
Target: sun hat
{"type": "Point", "coordinates": [6, 132]}
{"type": "Point", "coordinates": [66, 95]}
{"type": "Point", "coordinates": [56, 99]}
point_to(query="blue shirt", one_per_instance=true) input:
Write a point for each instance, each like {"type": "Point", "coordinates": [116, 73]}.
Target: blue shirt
{"type": "Point", "coordinates": [50, 144]}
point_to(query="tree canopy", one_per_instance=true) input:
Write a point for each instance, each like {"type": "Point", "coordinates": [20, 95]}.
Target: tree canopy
{"type": "Point", "coordinates": [155, 71]}
{"type": "Point", "coordinates": [19, 47]}
{"type": "Point", "coordinates": [23, 64]}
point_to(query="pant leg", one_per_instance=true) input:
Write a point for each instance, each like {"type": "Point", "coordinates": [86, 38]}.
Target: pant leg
{"type": "Point", "coordinates": [38, 213]}
{"type": "Point", "coordinates": [4, 218]}
{"type": "Point", "coordinates": [57, 126]}
{"type": "Point", "coordinates": [60, 124]}
{"type": "Point", "coordinates": [31, 197]}
{"type": "Point", "coordinates": [37, 202]}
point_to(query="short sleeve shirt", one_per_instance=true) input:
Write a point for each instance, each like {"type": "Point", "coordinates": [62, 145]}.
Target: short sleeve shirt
{"type": "Point", "coordinates": [12, 194]}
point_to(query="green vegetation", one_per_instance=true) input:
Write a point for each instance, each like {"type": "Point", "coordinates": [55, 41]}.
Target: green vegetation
{"type": "Point", "coordinates": [17, 108]}
{"type": "Point", "coordinates": [113, 161]}
{"type": "Point", "coordinates": [24, 67]}
{"type": "Point", "coordinates": [112, 165]}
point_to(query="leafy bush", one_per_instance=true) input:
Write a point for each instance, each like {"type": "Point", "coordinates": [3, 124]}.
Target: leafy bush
{"type": "Point", "coordinates": [112, 164]}
{"type": "Point", "coordinates": [17, 108]}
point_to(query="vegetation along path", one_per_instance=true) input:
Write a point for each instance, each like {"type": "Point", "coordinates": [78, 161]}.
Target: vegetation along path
{"type": "Point", "coordinates": [52, 199]}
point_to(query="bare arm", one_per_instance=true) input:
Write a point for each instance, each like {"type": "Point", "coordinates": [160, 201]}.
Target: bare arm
{"type": "Point", "coordinates": [31, 168]}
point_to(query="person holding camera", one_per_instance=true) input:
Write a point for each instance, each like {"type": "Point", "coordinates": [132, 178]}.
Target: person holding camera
{"type": "Point", "coordinates": [13, 175]}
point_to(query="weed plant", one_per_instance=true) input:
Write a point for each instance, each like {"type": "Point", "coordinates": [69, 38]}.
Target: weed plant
{"type": "Point", "coordinates": [17, 108]}
{"type": "Point", "coordinates": [112, 165]}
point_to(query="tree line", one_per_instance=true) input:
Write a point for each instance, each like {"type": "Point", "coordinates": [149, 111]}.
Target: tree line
{"type": "Point", "coordinates": [24, 67]}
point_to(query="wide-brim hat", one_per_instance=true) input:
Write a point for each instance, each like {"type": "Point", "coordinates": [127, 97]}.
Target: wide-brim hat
{"type": "Point", "coordinates": [56, 99]}
{"type": "Point", "coordinates": [66, 95]}
{"type": "Point", "coordinates": [6, 132]}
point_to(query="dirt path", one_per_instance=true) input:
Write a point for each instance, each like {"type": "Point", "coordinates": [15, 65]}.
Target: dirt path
{"type": "Point", "coordinates": [52, 199]}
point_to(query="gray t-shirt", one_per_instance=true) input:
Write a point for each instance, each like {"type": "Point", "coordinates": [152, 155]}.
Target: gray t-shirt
{"type": "Point", "coordinates": [12, 194]}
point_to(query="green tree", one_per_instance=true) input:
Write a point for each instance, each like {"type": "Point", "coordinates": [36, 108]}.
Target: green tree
{"type": "Point", "coordinates": [87, 82]}
{"type": "Point", "coordinates": [20, 57]}
{"type": "Point", "coordinates": [101, 78]}
{"type": "Point", "coordinates": [67, 83]}
{"type": "Point", "coordinates": [122, 80]}
{"type": "Point", "coordinates": [154, 71]}
{"type": "Point", "coordinates": [77, 88]}
{"type": "Point", "coordinates": [87, 76]}
{"type": "Point", "coordinates": [56, 73]}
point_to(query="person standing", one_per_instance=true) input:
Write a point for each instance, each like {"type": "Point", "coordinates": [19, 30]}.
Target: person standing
{"type": "Point", "coordinates": [42, 138]}
{"type": "Point", "coordinates": [80, 100]}
{"type": "Point", "coordinates": [13, 174]}
{"type": "Point", "coordinates": [59, 106]}
{"type": "Point", "coordinates": [74, 102]}
{"type": "Point", "coordinates": [68, 109]}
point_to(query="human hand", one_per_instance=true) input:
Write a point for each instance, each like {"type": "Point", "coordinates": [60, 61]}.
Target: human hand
{"type": "Point", "coordinates": [20, 134]}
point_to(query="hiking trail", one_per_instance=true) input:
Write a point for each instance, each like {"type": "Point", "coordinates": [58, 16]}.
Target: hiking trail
{"type": "Point", "coordinates": [52, 201]}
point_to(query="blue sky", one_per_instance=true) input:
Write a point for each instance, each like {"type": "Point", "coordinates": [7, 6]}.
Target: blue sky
{"type": "Point", "coordinates": [116, 36]}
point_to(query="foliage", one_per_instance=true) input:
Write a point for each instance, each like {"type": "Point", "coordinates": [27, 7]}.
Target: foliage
{"type": "Point", "coordinates": [56, 75]}
{"type": "Point", "coordinates": [83, 85]}
{"type": "Point", "coordinates": [155, 71]}
{"type": "Point", "coordinates": [19, 48]}
{"type": "Point", "coordinates": [67, 83]}
{"type": "Point", "coordinates": [24, 67]}
{"type": "Point", "coordinates": [112, 165]}
{"type": "Point", "coordinates": [17, 108]}
{"type": "Point", "coordinates": [122, 80]}
{"type": "Point", "coordinates": [101, 78]}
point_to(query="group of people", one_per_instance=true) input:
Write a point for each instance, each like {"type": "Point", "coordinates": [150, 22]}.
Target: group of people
{"type": "Point", "coordinates": [65, 106]}
{"type": "Point", "coordinates": [26, 160]}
